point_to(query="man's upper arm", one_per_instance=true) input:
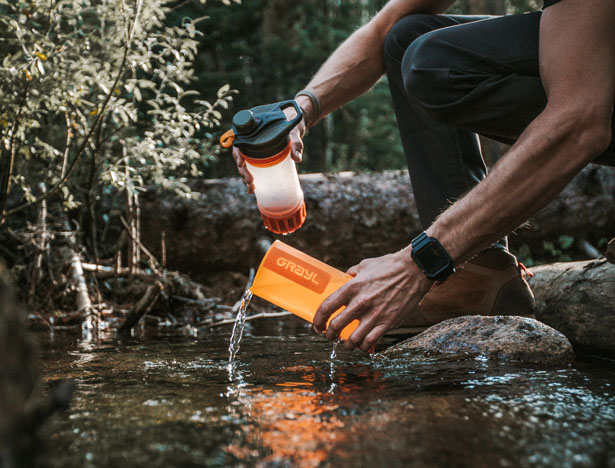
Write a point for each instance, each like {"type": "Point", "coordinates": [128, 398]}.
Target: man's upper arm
{"type": "Point", "coordinates": [577, 55]}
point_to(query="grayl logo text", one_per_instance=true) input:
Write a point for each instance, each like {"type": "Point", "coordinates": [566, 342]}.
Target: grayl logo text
{"type": "Point", "coordinates": [298, 270]}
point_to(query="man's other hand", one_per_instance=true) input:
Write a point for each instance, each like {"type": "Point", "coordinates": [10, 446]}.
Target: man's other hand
{"type": "Point", "coordinates": [382, 293]}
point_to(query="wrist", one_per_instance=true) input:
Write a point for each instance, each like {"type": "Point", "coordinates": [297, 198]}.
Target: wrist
{"type": "Point", "coordinates": [308, 110]}
{"type": "Point", "coordinates": [414, 271]}
{"type": "Point", "coordinates": [310, 104]}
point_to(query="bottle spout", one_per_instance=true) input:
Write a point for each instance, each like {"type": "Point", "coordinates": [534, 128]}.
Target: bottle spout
{"type": "Point", "coordinates": [227, 138]}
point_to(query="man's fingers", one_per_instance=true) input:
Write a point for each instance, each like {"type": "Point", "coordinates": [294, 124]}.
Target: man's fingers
{"type": "Point", "coordinates": [238, 159]}
{"type": "Point", "coordinates": [356, 339]}
{"type": "Point", "coordinates": [296, 152]}
{"type": "Point", "coordinates": [373, 337]}
{"type": "Point", "coordinates": [336, 300]}
{"type": "Point", "coordinates": [246, 176]}
{"type": "Point", "coordinates": [341, 320]}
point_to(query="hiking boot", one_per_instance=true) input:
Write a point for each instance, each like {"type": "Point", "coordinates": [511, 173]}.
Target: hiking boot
{"type": "Point", "coordinates": [489, 284]}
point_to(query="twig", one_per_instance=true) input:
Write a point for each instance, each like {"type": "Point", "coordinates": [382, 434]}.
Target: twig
{"type": "Point", "coordinates": [261, 315]}
{"type": "Point", "coordinates": [69, 134]}
{"type": "Point", "coordinates": [144, 306]}
{"type": "Point", "coordinates": [155, 266]}
{"type": "Point", "coordinates": [40, 244]}
{"type": "Point", "coordinates": [106, 272]}
{"type": "Point", "coordinates": [209, 303]}
{"type": "Point", "coordinates": [163, 249]}
{"type": "Point", "coordinates": [5, 181]}
{"type": "Point", "coordinates": [588, 249]}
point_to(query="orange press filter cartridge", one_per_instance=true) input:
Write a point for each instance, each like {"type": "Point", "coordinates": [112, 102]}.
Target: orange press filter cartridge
{"type": "Point", "coordinates": [298, 283]}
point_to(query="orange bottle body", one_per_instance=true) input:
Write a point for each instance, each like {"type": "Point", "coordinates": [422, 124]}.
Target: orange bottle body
{"type": "Point", "coordinates": [298, 283]}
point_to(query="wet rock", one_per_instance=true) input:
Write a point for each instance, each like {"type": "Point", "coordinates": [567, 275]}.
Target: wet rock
{"type": "Point", "coordinates": [506, 338]}
{"type": "Point", "coordinates": [578, 299]}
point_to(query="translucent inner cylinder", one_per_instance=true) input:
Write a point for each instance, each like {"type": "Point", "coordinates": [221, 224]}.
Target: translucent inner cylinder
{"type": "Point", "coordinates": [277, 187]}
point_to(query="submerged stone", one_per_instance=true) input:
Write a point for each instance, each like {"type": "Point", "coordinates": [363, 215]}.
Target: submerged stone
{"type": "Point", "coordinates": [507, 338]}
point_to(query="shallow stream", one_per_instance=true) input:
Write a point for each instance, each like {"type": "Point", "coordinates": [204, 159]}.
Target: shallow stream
{"type": "Point", "coordinates": [163, 400]}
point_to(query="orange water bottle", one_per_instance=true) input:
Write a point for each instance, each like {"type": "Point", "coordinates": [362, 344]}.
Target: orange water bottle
{"type": "Point", "coordinates": [298, 283]}
{"type": "Point", "coordinates": [262, 136]}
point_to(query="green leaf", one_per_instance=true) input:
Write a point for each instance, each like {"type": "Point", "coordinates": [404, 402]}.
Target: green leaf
{"type": "Point", "coordinates": [565, 241]}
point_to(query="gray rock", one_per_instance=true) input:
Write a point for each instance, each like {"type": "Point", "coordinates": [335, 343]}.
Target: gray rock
{"type": "Point", "coordinates": [506, 338]}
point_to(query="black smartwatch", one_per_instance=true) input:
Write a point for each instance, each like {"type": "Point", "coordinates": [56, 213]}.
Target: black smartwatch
{"type": "Point", "coordinates": [431, 257]}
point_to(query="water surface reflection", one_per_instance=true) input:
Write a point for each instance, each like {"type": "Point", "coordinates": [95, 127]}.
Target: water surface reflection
{"type": "Point", "coordinates": [173, 401]}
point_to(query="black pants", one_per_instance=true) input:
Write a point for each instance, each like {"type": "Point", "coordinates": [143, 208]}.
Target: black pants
{"type": "Point", "coordinates": [452, 77]}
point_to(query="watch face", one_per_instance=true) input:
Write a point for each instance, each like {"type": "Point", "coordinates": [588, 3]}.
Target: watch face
{"type": "Point", "coordinates": [432, 258]}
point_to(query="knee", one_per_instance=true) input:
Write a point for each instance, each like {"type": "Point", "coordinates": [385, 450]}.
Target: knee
{"type": "Point", "coordinates": [424, 73]}
{"type": "Point", "coordinates": [421, 64]}
{"type": "Point", "coordinates": [401, 35]}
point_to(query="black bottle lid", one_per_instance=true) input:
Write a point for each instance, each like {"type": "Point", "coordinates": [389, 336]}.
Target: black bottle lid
{"type": "Point", "coordinates": [263, 131]}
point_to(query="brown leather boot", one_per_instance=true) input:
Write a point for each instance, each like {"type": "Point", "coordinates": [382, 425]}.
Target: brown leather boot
{"type": "Point", "coordinates": [489, 284]}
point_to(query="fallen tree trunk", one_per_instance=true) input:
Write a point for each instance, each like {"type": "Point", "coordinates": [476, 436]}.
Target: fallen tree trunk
{"type": "Point", "coordinates": [349, 217]}
{"type": "Point", "coordinates": [578, 299]}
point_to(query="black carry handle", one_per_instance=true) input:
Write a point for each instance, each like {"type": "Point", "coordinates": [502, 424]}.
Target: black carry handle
{"type": "Point", "coordinates": [262, 130]}
{"type": "Point", "coordinates": [297, 119]}
{"type": "Point", "coordinates": [266, 115]}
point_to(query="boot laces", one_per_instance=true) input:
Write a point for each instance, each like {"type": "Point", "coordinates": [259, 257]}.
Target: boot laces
{"type": "Point", "coordinates": [525, 271]}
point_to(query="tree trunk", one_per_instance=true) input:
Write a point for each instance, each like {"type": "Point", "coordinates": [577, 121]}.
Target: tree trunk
{"type": "Point", "coordinates": [349, 217]}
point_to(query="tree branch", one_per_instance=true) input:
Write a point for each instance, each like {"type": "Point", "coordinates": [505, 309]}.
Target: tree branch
{"type": "Point", "coordinates": [98, 120]}
{"type": "Point", "coordinates": [5, 178]}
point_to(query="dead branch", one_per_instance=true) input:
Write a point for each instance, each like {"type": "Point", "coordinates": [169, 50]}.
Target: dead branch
{"type": "Point", "coordinates": [40, 244]}
{"type": "Point", "coordinates": [588, 249]}
{"type": "Point", "coordinates": [153, 263]}
{"type": "Point", "coordinates": [262, 315]}
{"type": "Point", "coordinates": [7, 172]}
{"type": "Point", "coordinates": [142, 307]}
{"type": "Point", "coordinates": [106, 272]}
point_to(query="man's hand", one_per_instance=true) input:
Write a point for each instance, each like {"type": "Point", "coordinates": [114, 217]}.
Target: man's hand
{"type": "Point", "coordinates": [382, 293]}
{"type": "Point", "coordinates": [296, 151]}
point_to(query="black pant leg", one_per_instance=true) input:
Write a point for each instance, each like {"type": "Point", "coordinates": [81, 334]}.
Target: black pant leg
{"type": "Point", "coordinates": [444, 162]}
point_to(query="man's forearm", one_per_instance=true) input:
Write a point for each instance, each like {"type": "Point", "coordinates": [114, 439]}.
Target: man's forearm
{"type": "Point", "coordinates": [537, 168]}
